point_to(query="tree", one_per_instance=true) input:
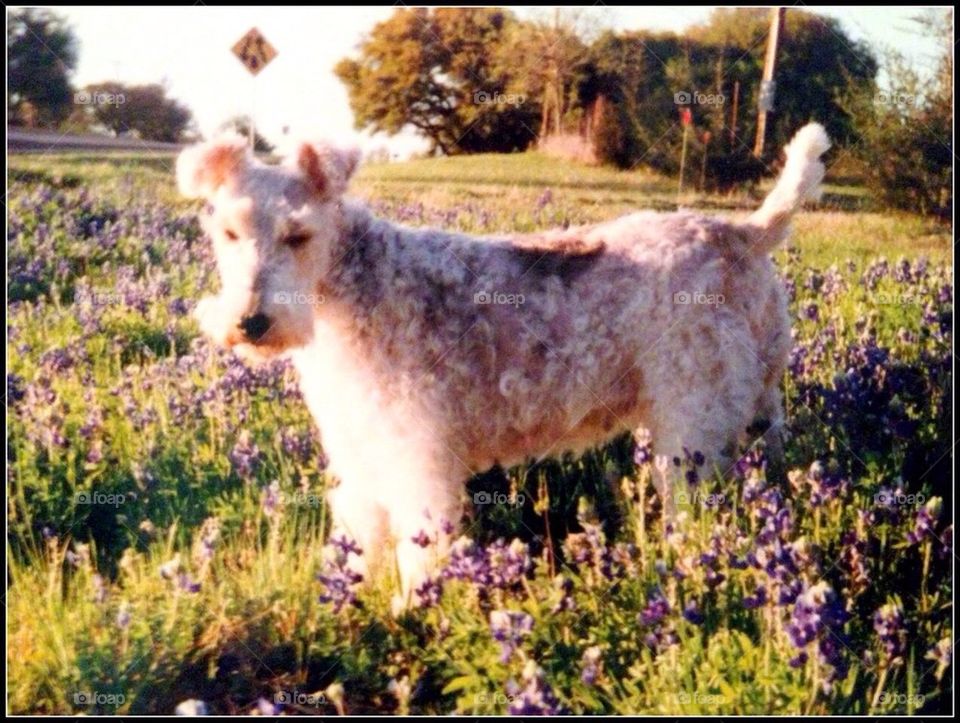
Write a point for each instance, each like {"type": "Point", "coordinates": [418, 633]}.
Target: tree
{"type": "Point", "coordinates": [42, 53]}
{"type": "Point", "coordinates": [549, 54]}
{"type": "Point", "coordinates": [241, 125]}
{"type": "Point", "coordinates": [905, 129]}
{"type": "Point", "coordinates": [441, 72]}
{"type": "Point", "coordinates": [713, 72]}
{"type": "Point", "coordinates": [144, 110]}
{"type": "Point", "coordinates": [816, 63]}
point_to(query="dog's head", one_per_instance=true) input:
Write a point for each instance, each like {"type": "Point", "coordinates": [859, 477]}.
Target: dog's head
{"type": "Point", "coordinates": [272, 228]}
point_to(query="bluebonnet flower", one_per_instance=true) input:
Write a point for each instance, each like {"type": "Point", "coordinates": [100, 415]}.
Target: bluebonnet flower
{"type": "Point", "coordinates": [691, 612]}
{"type": "Point", "coordinates": [467, 561]}
{"type": "Point", "coordinates": [942, 654]}
{"type": "Point", "coordinates": [757, 599]}
{"type": "Point", "coordinates": [123, 616]}
{"type": "Point", "coordinates": [344, 545]}
{"type": "Point", "coordinates": [925, 520]}
{"type": "Point", "coordinates": [429, 592]}
{"type": "Point", "coordinates": [656, 609]}
{"type": "Point", "coordinates": [535, 696]}
{"type": "Point", "coordinates": [692, 461]}
{"type": "Point", "coordinates": [830, 653]}
{"type": "Point", "coordinates": [810, 312]}
{"type": "Point", "coordinates": [205, 543]}
{"type": "Point", "coordinates": [818, 616]}
{"type": "Point", "coordinates": [187, 584]}
{"type": "Point", "coordinates": [508, 565]}
{"type": "Point", "coordinates": [337, 578]}
{"type": "Point", "coordinates": [564, 586]}
{"type": "Point", "coordinates": [421, 539]}
{"type": "Point", "coordinates": [643, 451]}
{"type": "Point", "coordinates": [946, 540]}
{"type": "Point", "coordinates": [271, 500]}
{"type": "Point", "coordinates": [591, 664]}
{"type": "Point", "coordinates": [823, 485]}
{"type": "Point", "coordinates": [244, 455]}
{"type": "Point", "coordinates": [889, 626]}
{"type": "Point", "coordinates": [509, 628]}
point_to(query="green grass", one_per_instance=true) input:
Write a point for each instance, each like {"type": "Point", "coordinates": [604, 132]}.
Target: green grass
{"type": "Point", "coordinates": [90, 612]}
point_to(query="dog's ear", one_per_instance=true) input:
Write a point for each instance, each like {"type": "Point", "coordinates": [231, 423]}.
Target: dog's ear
{"type": "Point", "coordinates": [328, 169]}
{"type": "Point", "coordinates": [204, 168]}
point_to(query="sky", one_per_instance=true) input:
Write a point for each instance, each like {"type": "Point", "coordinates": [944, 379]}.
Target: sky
{"type": "Point", "coordinates": [188, 50]}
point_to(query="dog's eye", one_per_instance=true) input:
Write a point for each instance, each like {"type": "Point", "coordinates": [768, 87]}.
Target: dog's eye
{"type": "Point", "coordinates": [231, 235]}
{"type": "Point", "coordinates": [297, 239]}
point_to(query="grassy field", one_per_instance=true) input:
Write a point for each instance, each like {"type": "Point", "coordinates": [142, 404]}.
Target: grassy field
{"type": "Point", "coordinates": [165, 502]}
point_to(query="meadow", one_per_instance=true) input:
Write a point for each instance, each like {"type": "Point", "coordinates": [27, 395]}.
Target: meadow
{"type": "Point", "coordinates": [167, 531]}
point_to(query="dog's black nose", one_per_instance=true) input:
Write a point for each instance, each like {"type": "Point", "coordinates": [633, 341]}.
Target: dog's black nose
{"type": "Point", "coordinates": [254, 326]}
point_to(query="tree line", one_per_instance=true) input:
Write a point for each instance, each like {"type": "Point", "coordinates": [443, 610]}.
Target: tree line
{"type": "Point", "coordinates": [483, 80]}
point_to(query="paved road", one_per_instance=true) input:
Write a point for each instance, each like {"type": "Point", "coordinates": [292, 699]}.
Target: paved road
{"type": "Point", "coordinates": [21, 140]}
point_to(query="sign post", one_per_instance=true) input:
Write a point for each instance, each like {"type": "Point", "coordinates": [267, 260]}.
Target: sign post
{"type": "Point", "coordinates": [686, 120]}
{"type": "Point", "coordinates": [255, 52]}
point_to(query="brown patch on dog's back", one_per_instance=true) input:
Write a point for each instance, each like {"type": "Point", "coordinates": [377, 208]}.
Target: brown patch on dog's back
{"type": "Point", "coordinates": [564, 256]}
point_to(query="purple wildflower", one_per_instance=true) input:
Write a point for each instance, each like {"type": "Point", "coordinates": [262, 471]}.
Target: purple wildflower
{"type": "Point", "coordinates": [337, 577]}
{"type": "Point", "coordinates": [691, 612]}
{"type": "Point", "coordinates": [429, 592]}
{"type": "Point", "coordinates": [591, 663]}
{"type": "Point", "coordinates": [535, 697]}
{"type": "Point", "coordinates": [509, 628]}
{"type": "Point", "coordinates": [925, 520]}
{"type": "Point", "coordinates": [757, 599]}
{"type": "Point", "coordinates": [244, 455]}
{"type": "Point", "coordinates": [889, 626]}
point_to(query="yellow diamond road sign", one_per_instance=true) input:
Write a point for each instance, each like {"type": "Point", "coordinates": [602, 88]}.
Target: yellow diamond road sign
{"type": "Point", "coordinates": [254, 51]}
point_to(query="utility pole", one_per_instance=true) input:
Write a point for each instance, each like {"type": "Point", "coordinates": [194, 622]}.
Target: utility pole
{"type": "Point", "coordinates": [736, 108]}
{"type": "Point", "coordinates": [767, 86]}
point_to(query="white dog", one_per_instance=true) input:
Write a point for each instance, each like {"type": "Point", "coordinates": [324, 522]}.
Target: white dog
{"type": "Point", "coordinates": [427, 356]}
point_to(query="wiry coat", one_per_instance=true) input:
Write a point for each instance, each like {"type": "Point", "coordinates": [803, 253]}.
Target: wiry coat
{"type": "Point", "coordinates": [435, 355]}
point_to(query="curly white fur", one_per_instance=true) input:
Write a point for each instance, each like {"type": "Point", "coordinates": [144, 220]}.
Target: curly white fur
{"type": "Point", "coordinates": [427, 356]}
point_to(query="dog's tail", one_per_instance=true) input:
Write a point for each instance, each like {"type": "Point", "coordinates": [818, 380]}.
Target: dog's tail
{"type": "Point", "coordinates": [799, 181]}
